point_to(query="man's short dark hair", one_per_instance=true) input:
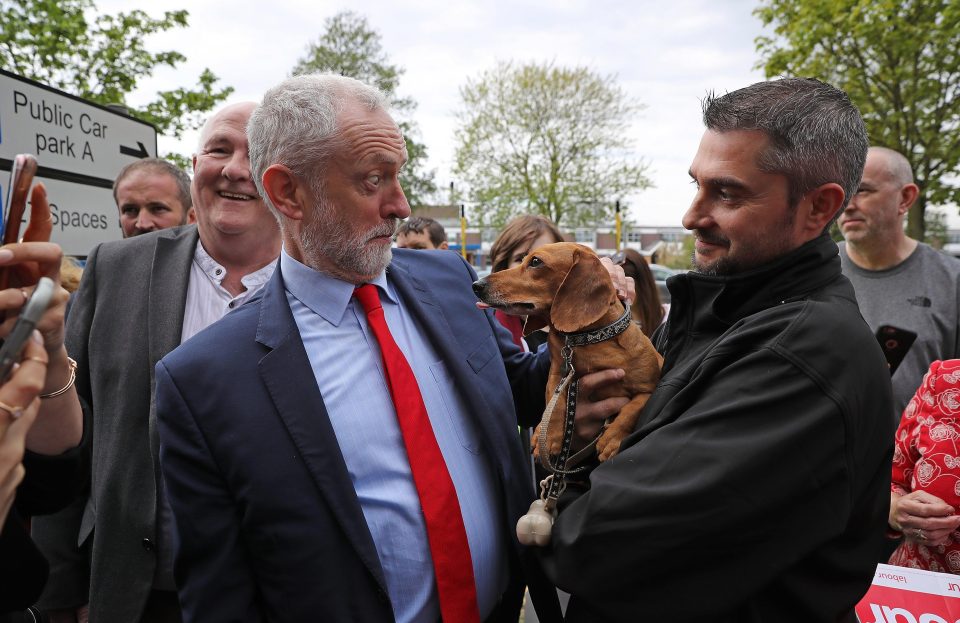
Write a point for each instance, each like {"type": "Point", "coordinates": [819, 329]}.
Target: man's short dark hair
{"type": "Point", "coordinates": [418, 224]}
{"type": "Point", "coordinates": [816, 134]}
{"type": "Point", "coordinates": [162, 167]}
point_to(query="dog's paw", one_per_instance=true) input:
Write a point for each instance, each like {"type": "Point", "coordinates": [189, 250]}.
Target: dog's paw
{"type": "Point", "coordinates": [554, 447]}
{"type": "Point", "coordinates": [607, 446]}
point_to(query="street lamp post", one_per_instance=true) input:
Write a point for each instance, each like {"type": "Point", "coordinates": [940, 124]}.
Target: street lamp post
{"type": "Point", "coordinates": [619, 229]}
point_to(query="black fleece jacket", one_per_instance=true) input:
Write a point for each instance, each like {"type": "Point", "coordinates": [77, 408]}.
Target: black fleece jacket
{"type": "Point", "coordinates": [756, 485]}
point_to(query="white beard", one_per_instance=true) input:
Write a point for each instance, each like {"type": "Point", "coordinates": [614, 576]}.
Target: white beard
{"type": "Point", "coordinates": [330, 241]}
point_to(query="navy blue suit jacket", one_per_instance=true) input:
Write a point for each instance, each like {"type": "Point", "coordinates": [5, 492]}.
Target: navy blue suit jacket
{"type": "Point", "coordinates": [268, 522]}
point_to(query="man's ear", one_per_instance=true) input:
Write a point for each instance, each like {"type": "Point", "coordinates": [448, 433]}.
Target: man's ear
{"type": "Point", "coordinates": [444, 245]}
{"type": "Point", "coordinates": [908, 194]}
{"type": "Point", "coordinates": [282, 187]}
{"type": "Point", "coordinates": [191, 216]}
{"type": "Point", "coordinates": [825, 201]}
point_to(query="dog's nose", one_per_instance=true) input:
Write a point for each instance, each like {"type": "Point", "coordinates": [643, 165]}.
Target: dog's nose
{"type": "Point", "coordinates": [479, 286]}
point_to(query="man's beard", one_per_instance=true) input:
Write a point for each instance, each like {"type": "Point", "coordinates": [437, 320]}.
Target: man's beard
{"type": "Point", "coordinates": [751, 254]}
{"type": "Point", "coordinates": [717, 268]}
{"type": "Point", "coordinates": [721, 266]}
{"type": "Point", "coordinates": [330, 241]}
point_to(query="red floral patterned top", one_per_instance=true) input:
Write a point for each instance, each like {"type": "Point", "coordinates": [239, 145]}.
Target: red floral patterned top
{"type": "Point", "coordinates": [927, 457]}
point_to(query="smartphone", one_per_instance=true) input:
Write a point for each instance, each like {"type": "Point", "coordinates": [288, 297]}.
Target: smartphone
{"type": "Point", "coordinates": [895, 343]}
{"type": "Point", "coordinates": [27, 321]}
{"type": "Point", "coordinates": [21, 178]}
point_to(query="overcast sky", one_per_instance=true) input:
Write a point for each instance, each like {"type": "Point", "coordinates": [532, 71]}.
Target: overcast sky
{"type": "Point", "coordinates": [666, 55]}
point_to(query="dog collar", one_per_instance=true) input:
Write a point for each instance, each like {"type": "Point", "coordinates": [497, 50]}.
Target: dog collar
{"type": "Point", "coordinates": [596, 336]}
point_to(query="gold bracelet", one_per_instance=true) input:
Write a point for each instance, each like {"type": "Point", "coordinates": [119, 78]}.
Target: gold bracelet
{"type": "Point", "coordinates": [73, 377]}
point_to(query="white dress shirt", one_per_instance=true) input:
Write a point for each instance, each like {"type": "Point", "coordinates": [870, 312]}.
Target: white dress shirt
{"type": "Point", "coordinates": [207, 300]}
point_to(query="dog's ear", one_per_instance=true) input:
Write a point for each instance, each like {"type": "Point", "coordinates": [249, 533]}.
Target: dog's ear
{"type": "Point", "coordinates": [584, 295]}
{"type": "Point", "coordinates": [532, 324]}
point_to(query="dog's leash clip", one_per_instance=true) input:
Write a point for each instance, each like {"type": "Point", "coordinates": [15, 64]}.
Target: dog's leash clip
{"type": "Point", "coordinates": [546, 488]}
{"type": "Point", "coordinates": [567, 353]}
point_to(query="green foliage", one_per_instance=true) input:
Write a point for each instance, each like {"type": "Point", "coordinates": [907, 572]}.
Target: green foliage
{"type": "Point", "coordinates": [678, 255]}
{"type": "Point", "coordinates": [899, 60]}
{"type": "Point", "coordinates": [350, 47]}
{"type": "Point", "coordinates": [547, 140]}
{"type": "Point", "coordinates": [99, 57]}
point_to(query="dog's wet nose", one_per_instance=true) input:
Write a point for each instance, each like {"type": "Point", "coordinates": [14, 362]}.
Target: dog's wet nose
{"type": "Point", "coordinates": [479, 286]}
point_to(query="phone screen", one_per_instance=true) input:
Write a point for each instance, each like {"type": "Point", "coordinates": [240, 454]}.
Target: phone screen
{"type": "Point", "coordinates": [895, 342]}
{"type": "Point", "coordinates": [27, 320]}
{"type": "Point", "coordinates": [15, 172]}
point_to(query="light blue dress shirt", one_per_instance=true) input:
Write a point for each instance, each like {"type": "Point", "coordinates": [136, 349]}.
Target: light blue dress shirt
{"type": "Point", "coordinates": [348, 367]}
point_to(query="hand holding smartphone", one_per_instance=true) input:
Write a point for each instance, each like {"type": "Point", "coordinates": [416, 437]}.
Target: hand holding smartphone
{"type": "Point", "coordinates": [30, 315]}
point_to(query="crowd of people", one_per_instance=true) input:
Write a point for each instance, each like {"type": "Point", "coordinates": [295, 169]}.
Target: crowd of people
{"type": "Point", "coordinates": [277, 400]}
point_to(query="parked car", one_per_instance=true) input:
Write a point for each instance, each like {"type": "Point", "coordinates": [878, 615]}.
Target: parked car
{"type": "Point", "coordinates": [660, 274]}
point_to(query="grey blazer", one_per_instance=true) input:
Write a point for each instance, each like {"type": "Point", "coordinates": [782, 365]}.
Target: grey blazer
{"type": "Point", "coordinates": [127, 314]}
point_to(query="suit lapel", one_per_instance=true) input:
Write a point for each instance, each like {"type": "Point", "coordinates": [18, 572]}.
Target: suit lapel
{"type": "Point", "coordinates": [168, 292]}
{"type": "Point", "coordinates": [430, 316]}
{"type": "Point", "coordinates": [169, 277]}
{"type": "Point", "coordinates": [288, 376]}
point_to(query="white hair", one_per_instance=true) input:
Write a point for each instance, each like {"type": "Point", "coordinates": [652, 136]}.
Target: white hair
{"type": "Point", "coordinates": [296, 125]}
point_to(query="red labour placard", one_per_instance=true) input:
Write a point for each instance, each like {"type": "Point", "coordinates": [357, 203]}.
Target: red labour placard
{"type": "Point", "coordinates": [905, 595]}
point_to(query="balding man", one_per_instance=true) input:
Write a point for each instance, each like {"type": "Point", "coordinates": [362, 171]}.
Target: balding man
{"type": "Point", "coordinates": [139, 299]}
{"type": "Point", "coordinates": [152, 194]}
{"type": "Point", "coordinates": [899, 281]}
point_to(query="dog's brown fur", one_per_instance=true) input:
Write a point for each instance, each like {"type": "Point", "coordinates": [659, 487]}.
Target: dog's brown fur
{"type": "Point", "coordinates": [565, 285]}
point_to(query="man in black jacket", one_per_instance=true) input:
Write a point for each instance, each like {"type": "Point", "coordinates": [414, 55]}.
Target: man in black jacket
{"type": "Point", "coordinates": [756, 485]}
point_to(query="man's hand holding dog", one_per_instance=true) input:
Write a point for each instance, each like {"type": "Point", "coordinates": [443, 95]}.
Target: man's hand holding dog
{"type": "Point", "coordinates": [626, 289]}
{"type": "Point", "coordinates": [591, 415]}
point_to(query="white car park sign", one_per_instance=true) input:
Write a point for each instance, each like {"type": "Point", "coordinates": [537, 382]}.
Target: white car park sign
{"type": "Point", "coordinates": [80, 147]}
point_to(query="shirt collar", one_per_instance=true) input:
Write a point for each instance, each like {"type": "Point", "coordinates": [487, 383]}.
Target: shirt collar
{"type": "Point", "coordinates": [324, 295]}
{"type": "Point", "coordinates": [216, 272]}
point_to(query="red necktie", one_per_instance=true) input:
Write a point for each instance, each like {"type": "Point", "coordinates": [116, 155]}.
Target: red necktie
{"type": "Point", "coordinates": [449, 549]}
{"type": "Point", "coordinates": [513, 324]}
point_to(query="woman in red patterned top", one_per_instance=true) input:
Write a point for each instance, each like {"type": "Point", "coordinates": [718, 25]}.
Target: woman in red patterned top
{"type": "Point", "coordinates": [925, 492]}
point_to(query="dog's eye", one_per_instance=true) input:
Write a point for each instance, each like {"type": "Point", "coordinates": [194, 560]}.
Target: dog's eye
{"type": "Point", "coordinates": [534, 262]}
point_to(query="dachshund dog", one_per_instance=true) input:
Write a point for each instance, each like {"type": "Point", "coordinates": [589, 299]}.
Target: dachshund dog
{"type": "Point", "coordinates": [565, 286]}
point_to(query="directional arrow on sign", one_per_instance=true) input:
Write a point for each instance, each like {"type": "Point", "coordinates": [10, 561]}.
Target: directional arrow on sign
{"type": "Point", "coordinates": [136, 153]}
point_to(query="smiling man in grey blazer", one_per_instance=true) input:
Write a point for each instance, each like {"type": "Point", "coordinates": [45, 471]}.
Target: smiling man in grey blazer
{"type": "Point", "coordinates": [139, 299]}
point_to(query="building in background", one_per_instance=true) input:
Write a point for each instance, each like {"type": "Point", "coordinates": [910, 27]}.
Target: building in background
{"type": "Point", "coordinates": [654, 243]}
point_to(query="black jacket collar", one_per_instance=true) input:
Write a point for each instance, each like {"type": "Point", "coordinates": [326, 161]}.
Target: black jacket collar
{"type": "Point", "coordinates": [729, 298]}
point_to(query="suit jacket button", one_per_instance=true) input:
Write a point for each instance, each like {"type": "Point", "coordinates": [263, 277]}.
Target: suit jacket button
{"type": "Point", "coordinates": [148, 545]}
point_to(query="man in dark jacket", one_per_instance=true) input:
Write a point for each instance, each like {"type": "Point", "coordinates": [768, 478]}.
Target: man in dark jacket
{"type": "Point", "coordinates": [756, 485]}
